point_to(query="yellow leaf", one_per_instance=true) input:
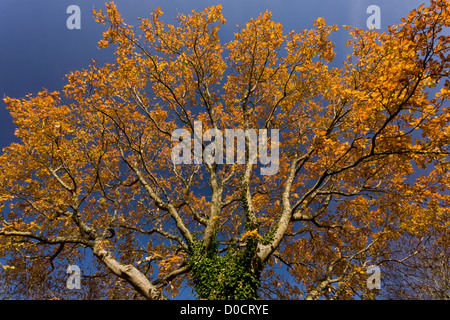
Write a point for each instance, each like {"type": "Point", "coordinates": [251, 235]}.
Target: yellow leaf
{"type": "Point", "coordinates": [8, 267]}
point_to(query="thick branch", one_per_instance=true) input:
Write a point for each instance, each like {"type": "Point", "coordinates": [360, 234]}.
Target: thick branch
{"type": "Point", "coordinates": [129, 273]}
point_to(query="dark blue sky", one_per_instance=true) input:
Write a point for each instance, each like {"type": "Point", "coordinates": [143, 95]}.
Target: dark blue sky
{"type": "Point", "coordinates": [37, 49]}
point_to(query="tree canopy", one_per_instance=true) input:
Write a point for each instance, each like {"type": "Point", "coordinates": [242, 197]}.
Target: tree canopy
{"type": "Point", "coordinates": [362, 174]}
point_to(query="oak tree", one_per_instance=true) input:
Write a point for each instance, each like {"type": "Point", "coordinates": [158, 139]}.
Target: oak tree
{"type": "Point", "coordinates": [363, 161]}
